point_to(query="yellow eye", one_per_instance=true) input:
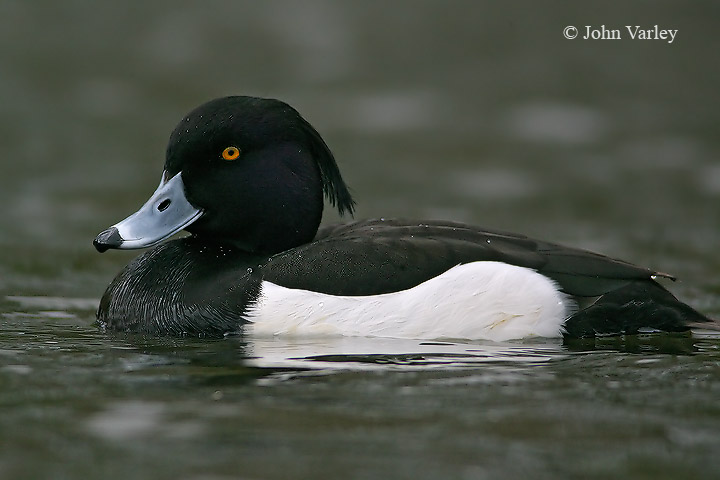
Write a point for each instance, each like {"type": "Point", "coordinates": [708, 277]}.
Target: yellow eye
{"type": "Point", "coordinates": [231, 153]}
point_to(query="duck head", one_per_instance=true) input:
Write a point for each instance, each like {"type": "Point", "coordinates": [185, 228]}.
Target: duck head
{"type": "Point", "coordinates": [250, 172]}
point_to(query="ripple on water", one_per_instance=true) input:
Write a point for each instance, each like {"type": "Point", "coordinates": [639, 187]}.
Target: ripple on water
{"type": "Point", "coordinates": [54, 303]}
{"type": "Point", "coordinates": [364, 353]}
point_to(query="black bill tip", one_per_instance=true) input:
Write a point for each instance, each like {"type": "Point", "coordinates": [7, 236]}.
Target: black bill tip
{"type": "Point", "coordinates": [108, 239]}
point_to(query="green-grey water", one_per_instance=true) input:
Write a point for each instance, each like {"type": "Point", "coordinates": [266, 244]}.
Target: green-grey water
{"type": "Point", "coordinates": [471, 111]}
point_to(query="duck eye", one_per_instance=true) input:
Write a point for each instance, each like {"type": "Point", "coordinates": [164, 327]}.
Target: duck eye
{"type": "Point", "coordinates": [231, 153]}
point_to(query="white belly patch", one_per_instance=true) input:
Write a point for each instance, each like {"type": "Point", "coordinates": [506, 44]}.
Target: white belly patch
{"type": "Point", "coordinates": [479, 300]}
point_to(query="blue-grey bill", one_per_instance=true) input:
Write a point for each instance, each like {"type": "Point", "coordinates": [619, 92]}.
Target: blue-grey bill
{"type": "Point", "coordinates": [164, 214]}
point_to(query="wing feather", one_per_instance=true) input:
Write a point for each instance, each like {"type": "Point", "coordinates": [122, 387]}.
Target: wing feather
{"type": "Point", "coordinates": [381, 256]}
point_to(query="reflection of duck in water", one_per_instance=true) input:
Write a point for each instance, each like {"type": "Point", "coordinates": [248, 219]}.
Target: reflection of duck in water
{"type": "Point", "coordinates": [246, 176]}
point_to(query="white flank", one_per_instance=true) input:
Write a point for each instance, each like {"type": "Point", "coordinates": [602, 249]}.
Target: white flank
{"type": "Point", "coordinates": [479, 300]}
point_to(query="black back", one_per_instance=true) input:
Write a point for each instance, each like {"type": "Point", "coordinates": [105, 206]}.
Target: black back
{"type": "Point", "coordinates": [380, 256]}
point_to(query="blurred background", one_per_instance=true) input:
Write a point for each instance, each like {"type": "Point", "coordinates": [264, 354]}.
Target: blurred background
{"type": "Point", "coordinates": [474, 111]}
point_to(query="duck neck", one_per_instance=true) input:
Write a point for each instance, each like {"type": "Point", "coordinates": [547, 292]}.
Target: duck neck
{"type": "Point", "coordinates": [267, 235]}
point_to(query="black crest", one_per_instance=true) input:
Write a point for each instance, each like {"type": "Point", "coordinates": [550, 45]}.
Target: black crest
{"type": "Point", "coordinates": [333, 185]}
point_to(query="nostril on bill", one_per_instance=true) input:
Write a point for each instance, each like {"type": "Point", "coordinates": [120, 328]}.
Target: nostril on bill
{"type": "Point", "coordinates": [162, 206]}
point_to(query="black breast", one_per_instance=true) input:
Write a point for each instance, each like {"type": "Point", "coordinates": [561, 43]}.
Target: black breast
{"type": "Point", "coordinates": [182, 287]}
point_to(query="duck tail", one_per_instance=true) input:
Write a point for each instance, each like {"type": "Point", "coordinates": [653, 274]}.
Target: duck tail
{"type": "Point", "coordinates": [640, 304]}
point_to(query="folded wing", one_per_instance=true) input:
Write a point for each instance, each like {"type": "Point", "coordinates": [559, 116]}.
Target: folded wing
{"type": "Point", "coordinates": [381, 256]}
